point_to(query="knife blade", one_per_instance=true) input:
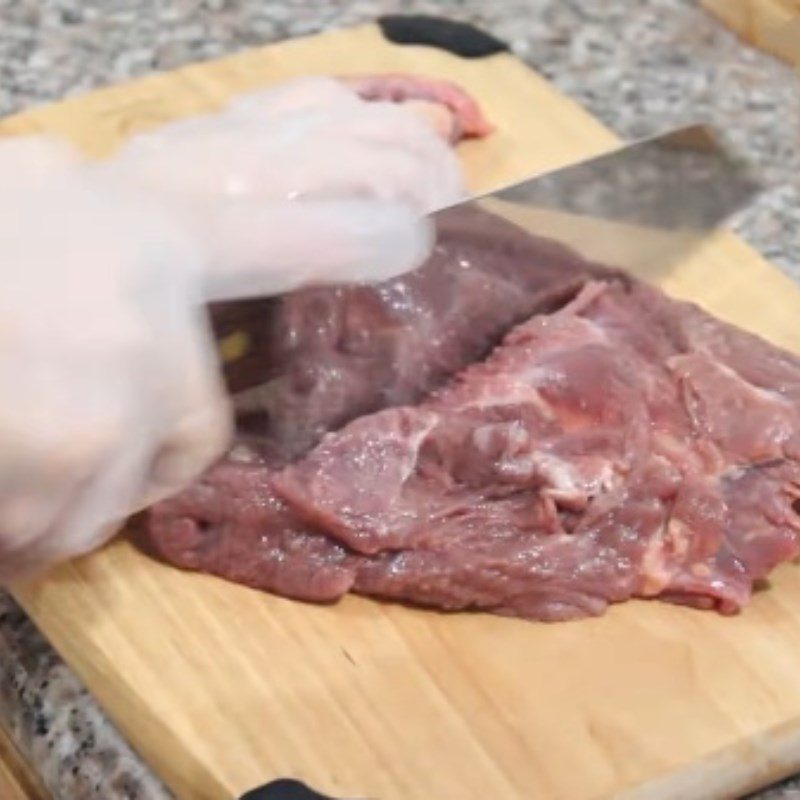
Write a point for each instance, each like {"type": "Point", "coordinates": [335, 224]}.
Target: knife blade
{"type": "Point", "coordinates": [643, 207]}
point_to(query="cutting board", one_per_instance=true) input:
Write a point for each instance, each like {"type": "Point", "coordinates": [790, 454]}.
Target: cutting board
{"type": "Point", "coordinates": [222, 688]}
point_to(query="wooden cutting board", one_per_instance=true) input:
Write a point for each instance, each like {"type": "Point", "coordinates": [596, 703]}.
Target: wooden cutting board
{"type": "Point", "coordinates": [771, 25]}
{"type": "Point", "coordinates": [222, 688]}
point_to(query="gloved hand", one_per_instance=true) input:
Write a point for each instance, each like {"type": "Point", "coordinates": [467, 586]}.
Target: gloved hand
{"type": "Point", "coordinates": [111, 393]}
{"type": "Point", "coordinates": [306, 183]}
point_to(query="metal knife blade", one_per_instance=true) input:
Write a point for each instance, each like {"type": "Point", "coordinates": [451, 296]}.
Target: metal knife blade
{"type": "Point", "coordinates": [643, 207]}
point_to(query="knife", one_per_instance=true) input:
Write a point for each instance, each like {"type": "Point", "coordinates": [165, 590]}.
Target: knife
{"type": "Point", "coordinates": [643, 207]}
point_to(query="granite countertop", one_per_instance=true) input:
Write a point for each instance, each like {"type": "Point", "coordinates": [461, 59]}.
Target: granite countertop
{"type": "Point", "coordinates": [640, 65]}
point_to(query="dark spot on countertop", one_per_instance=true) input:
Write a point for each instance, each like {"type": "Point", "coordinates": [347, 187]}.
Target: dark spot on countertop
{"type": "Point", "coordinates": [41, 727]}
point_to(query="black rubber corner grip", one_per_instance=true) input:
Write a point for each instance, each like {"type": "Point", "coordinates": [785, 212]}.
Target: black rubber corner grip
{"type": "Point", "coordinates": [460, 38]}
{"type": "Point", "coordinates": [284, 790]}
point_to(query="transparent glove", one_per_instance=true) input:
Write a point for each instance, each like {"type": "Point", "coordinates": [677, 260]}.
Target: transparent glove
{"type": "Point", "coordinates": [111, 396]}
{"type": "Point", "coordinates": [111, 392]}
{"type": "Point", "coordinates": [306, 183]}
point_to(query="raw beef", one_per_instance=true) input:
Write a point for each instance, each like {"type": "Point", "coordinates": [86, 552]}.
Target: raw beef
{"type": "Point", "coordinates": [327, 356]}
{"type": "Point", "coordinates": [321, 357]}
{"type": "Point", "coordinates": [622, 445]}
{"type": "Point", "coordinates": [463, 117]}
{"type": "Point", "coordinates": [626, 445]}
{"type": "Point", "coordinates": [616, 444]}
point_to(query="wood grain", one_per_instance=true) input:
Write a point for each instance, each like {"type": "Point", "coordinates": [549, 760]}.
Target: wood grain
{"type": "Point", "coordinates": [222, 688]}
{"type": "Point", "coordinates": [771, 25]}
{"type": "Point", "coordinates": [18, 781]}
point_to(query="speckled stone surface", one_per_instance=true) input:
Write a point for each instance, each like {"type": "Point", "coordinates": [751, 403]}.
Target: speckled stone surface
{"type": "Point", "coordinates": [640, 65]}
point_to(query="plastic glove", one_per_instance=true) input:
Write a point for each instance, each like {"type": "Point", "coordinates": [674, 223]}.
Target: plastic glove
{"type": "Point", "coordinates": [111, 392]}
{"type": "Point", "coordinates": [111, 396]}
{"type": "Point", "coordinates": [306, 183]}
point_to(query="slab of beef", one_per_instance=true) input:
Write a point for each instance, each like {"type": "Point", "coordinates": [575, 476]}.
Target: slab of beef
{"type": "Point", "coordinates": [326, 356]}
{"type": "Point", "coordinates": [623, 445]}
{"type": "Point", "coordinates": [616, 444]}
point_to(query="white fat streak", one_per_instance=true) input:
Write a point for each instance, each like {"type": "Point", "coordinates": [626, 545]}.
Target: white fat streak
{"type": "Point", "coordinates": [414, 443]}
{"type": "Point", "coordinates": [567, 480]}
{"type": "Point", "coordinates": [514, 393]}
{"type": "Point", "coordinates": [655, 573]}
{"type": "Point", "coordinates": [562, 475]}
{"type": "Point", "coordinates": [768, 395]}
{"type": "Point", "coordinates": [655, 565]}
